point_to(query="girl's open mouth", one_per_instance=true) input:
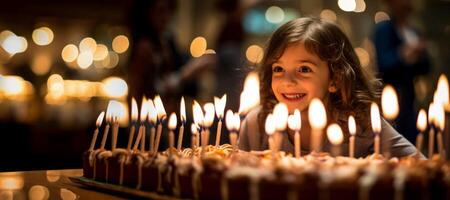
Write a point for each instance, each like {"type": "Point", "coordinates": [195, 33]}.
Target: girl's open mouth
{"type": "Point", "coordinates": [293, 96]}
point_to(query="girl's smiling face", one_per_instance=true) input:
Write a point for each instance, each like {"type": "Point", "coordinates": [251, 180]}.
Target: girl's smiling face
{"type": "Point", "coordinates": [298, 76]}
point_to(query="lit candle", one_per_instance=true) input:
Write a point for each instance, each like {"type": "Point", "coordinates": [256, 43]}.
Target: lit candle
{"type": "Point", "coordinates": [220, 107]}
{"type": "Point", "coordinates": [172, 126]}
{"type": "Point", "coordinates": [198, 120]}
{"type": "Point", "coordinates": [232, 123]}
{"type": "Point", "coordinates": [183, 122]}
{"type": "Point", "coordinates": [152, 119]}
{"type": "Point", "coordinates": [270, 130]}
{"type": "Point", "coordinates": [318, 119]}
{"type": "Point", "coordinates": [97, 124]}
{"type": "Point", "coordinates": [439, 121]}
{"type": "Point", "coordinates": [444, 99]}
{"type": "Point", "coordinates": [194, 133]}
{"type": "Point", "coordinates": [376, 126]}
{"type": "Point", "coordinates": [334, 133]}
{"type": "Point", "coordinates": [208, 120]}
{"type": "Point", "coordinates": [116, 113]}
{"type": "Point", "coordinates": [143, 118]}
{"type": "Point", "coordinates": [108, 122]}
{"type": "Point", "coordinates": [295, 123]}
{"type": "Point", "coordinates": [280, 116]}
{"type": "Point", "coordinates": [134, 117]}
{"type": "Point", "coordinates": [421, 126]}
{"type": "Point", "coordinates": [431, 116]}
{"type": "Point", "coordinates": [352, 130]}
{"type": "Point", "coordinates": [390, 107]}
{"type": "Point", "coordinates": [161, 117]}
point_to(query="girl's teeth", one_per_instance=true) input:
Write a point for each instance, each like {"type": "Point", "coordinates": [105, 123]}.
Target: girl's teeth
{"type": "Point", "coordinates": [294, 96]}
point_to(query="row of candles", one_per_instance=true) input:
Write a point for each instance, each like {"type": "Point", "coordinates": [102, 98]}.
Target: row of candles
{"type": "Point", "coordinates": [152, 110]}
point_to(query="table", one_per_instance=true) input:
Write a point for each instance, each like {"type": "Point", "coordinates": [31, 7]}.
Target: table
{"type": "Point", "coordinates": [50, 184]}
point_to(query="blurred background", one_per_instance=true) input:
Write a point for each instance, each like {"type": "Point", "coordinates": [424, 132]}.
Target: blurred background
{"type": "Point", "coordinates": [61, 61]}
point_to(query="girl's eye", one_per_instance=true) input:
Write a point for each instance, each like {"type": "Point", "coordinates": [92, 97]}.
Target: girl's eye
{"type": "Point", "coordinates": [277, 69]}
{"type": "Point", "coordinates": [304, 69]}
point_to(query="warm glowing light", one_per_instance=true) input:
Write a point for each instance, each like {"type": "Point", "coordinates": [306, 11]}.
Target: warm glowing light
{"type": "Point", "coordinates": [69, 53]}
{"type": "Point", "coordinates": [182, 110]}
{"type": "Point", "coordinates": [237, 121]}
{"type": "Point", "coordinates": [317, 114]}
{"type": "Point", "coordinates": [229, 120]}
{"type": "Point", "coordinates": [439, 119]}
{"type": "Point", "coordinates": [120, 44]}
{"type": "Point", "coordinates": [144, 110]}
{"type": "Point", "coordinates": [295, 121]}
{"type": "Point", "coordinates": [381, 16]}
{"type": "Point", "coordinates": [41, 64]}
{"type": "Point", "coordinates": [99, 121]}
{"type": "Point", "coordinates": [274, 14]}
{"type": "Point", "coordinates": [14, 44]}
{"type": "Point", "coordinates": [38, 192]}
{"type": "Point", "coordinates": [389, 102]}
{"type": "Point", "coordinates": [198, 47]}
{"type": "Point", "coordinates": [159, 107]}
{"type": "Point", "coordinates": [250, 94]}
{"type": "Point", "coordinates": [329, 15]}
{"type": "Point", "coordinates": [334, 133]}
{"type": "Point", "coordinates": [115, 87]}
{"type": "Point", "coordinates": [375, 118]}
{"type": "Point", "coordinates": [85, 59]}
{"type": "Point", "coordinates": [210, 51]}
{"type": "Point", "coordinates": [117, 110]}
{"type": "Point", "coordinates": [194, 128]}
{"type": "Point", "coordinates": [351, 125]}
{"type": "Point", "coordinates": [422, 120]}
{"type": "Point", "coordinates": [88, 44]}
{"type": "Point", "coordinates": [220, 105]}
{"type": "Point", "coordinates": [363, 56]}
{"type": "Point", "coordinates": [431, 113]}
{"type": "Point", "coordinates": [134, 110]}
{"type": "Point", "coordinates": [280, 115]}
{"type": "Point", "coordinates": [347, 5]}
{"type": "Point", "coordinates": [254, 54]}
{"type": "Point", "coordinates": [360, 6]}
{"type": "Point", "coordinates": [42, 36]}
{"type": "Point", "coordinates": [55, 85]}
{"type": "Point", "coordinates": [209, 114]}
{"type": "Point", "coordinates": [101, 52]}
{"type": "Point", "coordinates": [11, 182]}
{"type": "Point", "coordinates": [110, 61]}
{"type": "Point", "coordinates": [152, 113]}
{"type": "Point", "coordinates": [270, 125]}
{"type": "Point", "coordinates": [442, 92]}
{"type": "Point", "coordinates": [12, 85]}
{"type": "Point", "coordinates": [53, 175]}
{"type": "Point", "coordinates": [172, 121]}
{"type": "Point", "coordinates": [198, 113]}
{"type": "Point", "coordinates": [66, 194]}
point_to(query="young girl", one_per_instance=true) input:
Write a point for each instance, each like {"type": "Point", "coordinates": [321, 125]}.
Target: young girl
{"type": "Point", "coordinates": [307, 58]}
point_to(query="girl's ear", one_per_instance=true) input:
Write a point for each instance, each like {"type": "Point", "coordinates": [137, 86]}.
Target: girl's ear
{"type": "Point", "coordinates": [332, 87]}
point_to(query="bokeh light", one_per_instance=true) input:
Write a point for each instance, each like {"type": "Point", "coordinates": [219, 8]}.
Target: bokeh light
{"type": "Point", "coordinates": [69, 53]}
{"type": "Point", "coordinates": [363, 56]}
{"type": "Point", "coordinates": [100, 52]}
{"type": "Point", "coordinates": [115, 87]}
{"type": "Point", "coordinates": [120, 44]}
{"type": "Point", "coordinates": [88, 44]}
{"type": "Point", "coordinates": [329, 15]}
{"type": "Point", "coordinates": [42, 36]}
{"type": "Point", "coordinates": [41, 64]}
{"type": "Point", "coordinates": [198, 47]}
{"type": "Point", "coordinates": [360, 6]}
{"type": "Point", "coordinates": [85, 59]}
{"type": "Point", "coordinates": [274, 14]}
{"type": "Point", "coordinates": [381, 16]}
{"type": "Point", "coordinates": [254, 54]}
{"type": "Point", "coordinates": [347, 5]}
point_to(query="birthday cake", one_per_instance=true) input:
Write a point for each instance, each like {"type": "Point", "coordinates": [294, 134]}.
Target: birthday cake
{"type": "Point", "coordinates": [224, 173]}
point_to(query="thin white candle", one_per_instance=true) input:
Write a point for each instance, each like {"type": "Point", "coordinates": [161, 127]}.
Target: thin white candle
{"type": "Point", "coordinates": [98, 124]}
{"type": "Point", "coordinates": [318, 119]}
{"type": "Point", "coordinates": [294, 123]}
{"type": "Point", "coordinates": [376, 126]}
{"type": "Point", "coordinates": [153, 120]}
{"type": "Point", "coordinates": [172, 125]}
{"type": "Point", "coordinates": [143, 118]}
{"type": "Point", "coordinates": [108, 122]}
{"type": "Point", "coordinates": [161, 117]}
{"type": "Point", "coordinates": [270, 130]}
{"type": "Point", "coordinates": [421, 126]}
{"type": "Point", "coordinates": [183, 122]}
{"type": "Point", "coordinates": [220, 107]}
{"type": "Point", "coordinates": [352, 130]}
{"type": "Point", "coordinates": [335, 136]}
{"type": "Point", "coordinates": [134, 118]}
{"type": "Point", "coordinates": [280, 116]}
{"type": "Point", "coordinates": [431, 116]}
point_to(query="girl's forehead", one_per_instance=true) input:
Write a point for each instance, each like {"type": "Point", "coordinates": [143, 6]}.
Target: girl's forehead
{"type": "Point", "coordinates": [299, 50]}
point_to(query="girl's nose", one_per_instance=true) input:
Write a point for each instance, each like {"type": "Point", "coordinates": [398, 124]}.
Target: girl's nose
{"type": "Point", "coordinates": [290, 79]}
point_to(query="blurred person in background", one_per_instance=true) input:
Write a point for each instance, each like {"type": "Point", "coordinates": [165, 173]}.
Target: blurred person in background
{"type": "Point", "coordinates": [156, 66]}
{"type": "Point", "coordinates": [401, 57]}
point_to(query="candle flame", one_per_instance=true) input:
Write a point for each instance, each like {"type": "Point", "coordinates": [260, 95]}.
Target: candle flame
{"type": "Point", "coordinates": [220, 105]}
{"type": "Point", "coordinates": [250, 93]}
{"type": "Point", "coordinates": [334, 133]}
{"type": "Point", "coordinates": [422, 120]}
{"type": "Point", "coordinates": [108, 112]}
{"type": "Point", "coordinates": [375, 118]}
{"type": "Point", "coordinates": [431, 113]}
{"type": "Point", "coordinates": [116, 110]}
{"type": "Point", "coordinates": [280, 115]}
{"type": "Point", "coordinates": [389, 102]}
{"type": "Point", "coordinates": [194, 129]}
{"type": "Point", "coordinates": [172, 121]}
{"type": "Point", "coordinates": [182, 110]}
{"type": "Point", "coordinates": [198, 113]}
{"type": "Point", "coordinates": [100, 119]}
{"type": "Point", "coordinates": [159, 107]}
{"type": "Point", "coordinates": [134, 110]}
{"type": "Point", "coordinates": [351, 125]}
{"type": "Point", "coordinates": [443, 92]}
{"type": "Point", "coordinates": [317, 114]}
{"type": "Point", "coordinates": [144, 109]}
{"type": "Point", "coordinates": [229, 120]}
{"type": "Point", "coordinates": [209, 114]}
{"type": "Point", "coordinates": [295, 121]}
{"type": "Point", "coordinates": [439, 119]}
{"type": "Point", "coordinates": [270, 126]}
{"type": "Point", "coordinates": [152, 113]}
